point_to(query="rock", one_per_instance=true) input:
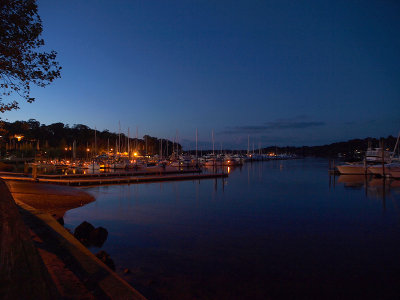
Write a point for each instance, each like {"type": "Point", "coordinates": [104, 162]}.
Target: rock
{"type": "Point", "coordinates": [83, 232]}
{"type": "Point", "coordinates": [91, 236]}
{"type": "Point", "coordinates": [106, 259]}
{"type": "Point", "coordinates": [98, 236]}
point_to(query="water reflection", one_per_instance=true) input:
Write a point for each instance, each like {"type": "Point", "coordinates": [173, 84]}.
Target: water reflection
{"type": "Point", "coordinates": [378, 188]}
{"type": "Point", "coordinates": [271, 230]}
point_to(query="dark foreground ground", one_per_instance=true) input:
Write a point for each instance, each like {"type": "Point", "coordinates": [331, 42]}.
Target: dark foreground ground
{"type": "Point", "coordinates": [39, 258]}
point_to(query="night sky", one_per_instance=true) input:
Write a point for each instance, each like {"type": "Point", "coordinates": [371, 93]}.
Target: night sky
{"type": "Point", "coordinates": [281, 72]}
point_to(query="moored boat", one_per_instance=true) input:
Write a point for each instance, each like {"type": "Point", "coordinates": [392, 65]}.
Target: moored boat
{"type": "Point", "coordinates": [93, 166]}
{"type": "Point", "coordinates": [352, 169]}
{"type": "Point", "coordinates": [392, 170]}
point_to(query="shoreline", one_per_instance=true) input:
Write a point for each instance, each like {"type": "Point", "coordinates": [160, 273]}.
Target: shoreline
{"type": "Point", "coordinates": [74, 270]}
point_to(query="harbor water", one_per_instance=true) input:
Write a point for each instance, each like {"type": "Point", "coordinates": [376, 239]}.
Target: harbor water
{"type": "Point", "coordinates": [271, 230]}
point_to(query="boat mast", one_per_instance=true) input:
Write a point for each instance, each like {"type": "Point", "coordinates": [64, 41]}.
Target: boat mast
{"type": "Point", "coordinates": [196, 142]}
{"type": "Point", "coordinates": [177, 147]}
{"type": "Point", "coordinates": [95, 141]}
{"type": "Point", "coordinates": [119, 136]}
{"type": "Point", "coordinates": [137, 136]}
{"type": "Point", "coordinates": [129, 150]}
{"type": "Point", "coordinates": [248, 145]}
{"type": "Point", "coordinates": [212, 136]}
{"type": "Point", "coordinates": [74, 150]}
{"type": "Point", "coordinates": [395, 147]}
{"type": "Point", "coordinates": [161, 150]}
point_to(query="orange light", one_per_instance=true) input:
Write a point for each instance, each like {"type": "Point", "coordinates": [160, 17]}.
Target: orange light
{"type": "Point", "coordinates": [87, 149]}
{"type": "Point", "coordinates": [66, 148]}
{"type": "Point", "coordinates": [135, 154]}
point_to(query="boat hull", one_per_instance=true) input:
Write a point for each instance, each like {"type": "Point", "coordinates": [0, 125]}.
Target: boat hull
{"type": "Point", "coordinates": [352, 169]}
{"type": "Point", "coordinates": [376, 170]}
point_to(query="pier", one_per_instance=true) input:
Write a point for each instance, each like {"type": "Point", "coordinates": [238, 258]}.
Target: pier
{"type": "Point", "coordinates": [115, 178]}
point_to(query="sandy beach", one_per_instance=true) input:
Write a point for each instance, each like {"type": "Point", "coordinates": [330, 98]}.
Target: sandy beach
{"type": "Point", "coordinates": [49, 198]}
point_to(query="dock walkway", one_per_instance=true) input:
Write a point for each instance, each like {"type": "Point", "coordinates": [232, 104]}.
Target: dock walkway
{"type": "Point", "coordinates": [116, 178]}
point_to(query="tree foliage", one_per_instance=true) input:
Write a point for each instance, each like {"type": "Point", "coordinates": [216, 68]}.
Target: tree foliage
{"type": "Point", "coordinates": [22, 64]}
{"type": "Point", "coordinates": [55, 137]}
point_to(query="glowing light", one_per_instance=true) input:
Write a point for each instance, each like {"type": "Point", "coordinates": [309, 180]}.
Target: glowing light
{"type": "Point", "coordinates": [87, 149]}
{"type": "Point", "coordinates": [229, 170]}
{"type": "Point", "coordinates": [19, 137]}
{"type": "Point", "coordinates": [135, 154]}
{"type": "Point", "coordinates": [66, 148]}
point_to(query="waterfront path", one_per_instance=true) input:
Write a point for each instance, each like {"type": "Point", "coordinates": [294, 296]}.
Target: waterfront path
{"type": "Point", "coordinates": [22, 272]}
{"type": "Point", "coordinates": [40, 259]}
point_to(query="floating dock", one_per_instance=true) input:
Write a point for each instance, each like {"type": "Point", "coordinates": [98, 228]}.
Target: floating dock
{"type": "Point", "coordinates": [85, 180]}
{"type": "Point", "coordinates": [119, 174]}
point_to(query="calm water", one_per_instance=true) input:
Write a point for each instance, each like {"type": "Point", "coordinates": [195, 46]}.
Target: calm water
{"type": "Point", "coordinates": [278, 230]}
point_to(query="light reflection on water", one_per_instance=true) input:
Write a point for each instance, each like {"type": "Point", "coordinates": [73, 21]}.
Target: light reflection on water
{"type": "Point", "coordinates": [273, 229]}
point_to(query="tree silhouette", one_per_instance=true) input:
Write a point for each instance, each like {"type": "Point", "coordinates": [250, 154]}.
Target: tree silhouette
{"type": "Point", "coordinates": [21, 62]}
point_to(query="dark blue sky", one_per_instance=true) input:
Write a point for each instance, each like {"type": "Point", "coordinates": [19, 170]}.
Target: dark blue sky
{"type": "Point", "coordinates": [283, 72]}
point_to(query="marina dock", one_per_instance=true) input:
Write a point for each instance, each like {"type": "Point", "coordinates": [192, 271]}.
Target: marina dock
{"type": "Point", "coordinates": [158, 171]}
{"type": "Point", "coordinates": [110, 178]}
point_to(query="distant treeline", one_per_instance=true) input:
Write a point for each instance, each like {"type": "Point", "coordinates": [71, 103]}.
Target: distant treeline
{"type": "Point", "coordinates": [57, 140]}
{"type": "Point", "coordinates": [352, 149]}
{"type": "Point", "coordinates": [30, 138]}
